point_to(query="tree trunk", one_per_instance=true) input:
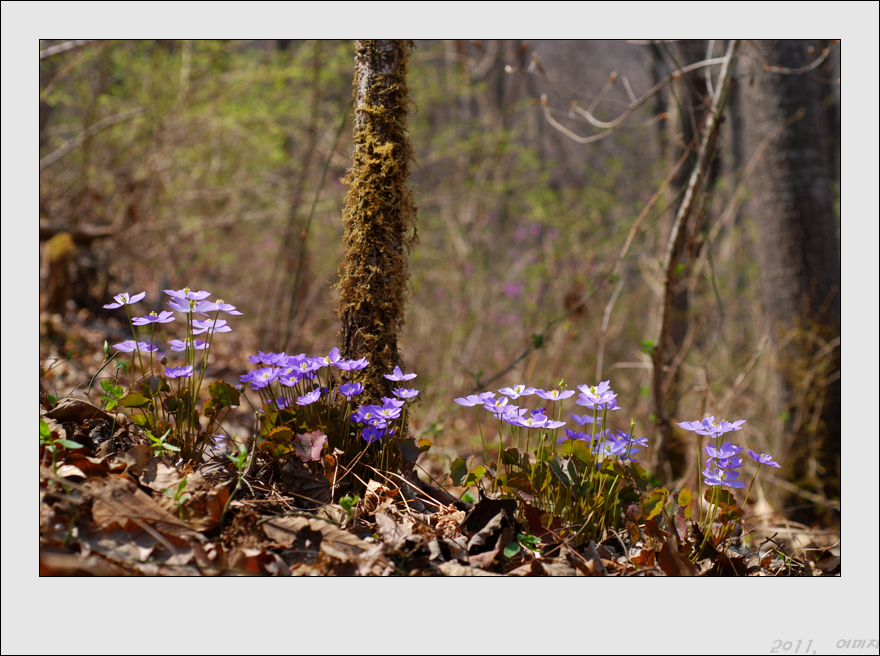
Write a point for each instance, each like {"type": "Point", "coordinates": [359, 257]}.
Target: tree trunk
{"type": "Point", "coordinates": [686, 109]}
{"type": "Point", "coordinates": [379, 217]}
{"type": "Point", "coordinates": [800, 265]}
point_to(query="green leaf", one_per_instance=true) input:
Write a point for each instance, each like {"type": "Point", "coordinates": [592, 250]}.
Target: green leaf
{"type": "Point", "coordinates": [143, 421]}
{"type": "Point", "coordinates": [45, 432]}
{"type": "Point", "coordinates": [722, 497]}
{"type": "Point", "coordinates": [458, 471]}
{"type": "Point", "coordinates": [654, 502]}
{"type": "Point", "coordinates": [511, 549]}
{"type": "Point", "coordinates": [467, 497]}
{"type": "Point", "coordinates": [69, 444]}
{"type": "Point", "coordinates": [521, 487]}
{"type": "Point", "coordinates": [647, 347]}
{"type": "Point", "coordinates": [424, 444]}
{"type": "Point", "coordinates": [475, 475]}
{"type": "Point", "coordinates": [685, 497]}
{"type": "Point", "coordinates": [408, 450]}
{"type": "Point", "coordinates": [730, 514]}
{"type": "Point", "coordinates": [225, 395]}
{"type": "Point", "coordinates": [578, 449]}
{"type": "Point", "coordinates": [514, 457]}
{"type": "Point", "coordinates": [557, 468]}
{"type": "Point", "coordinates": [134, 400]}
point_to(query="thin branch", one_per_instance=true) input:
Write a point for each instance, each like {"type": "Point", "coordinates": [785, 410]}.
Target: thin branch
{"type": "Point", "coordinates": [53, 157]}
{"type": "Point", "coordinates": [610, 127]}
{"type": "Point", "coordinates": [63, 47]}
{"type": "Point", "coordinates": [605, 318]}
{"type": "Point", "coordinates": [806, 68]}
{"type": "Point", "coordinates": [677, 235]}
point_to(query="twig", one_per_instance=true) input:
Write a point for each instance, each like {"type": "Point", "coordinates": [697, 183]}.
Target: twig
{"type": "Point", "coordinates": [605, 317]}
{"type": "Point", "coordinates": [610, 127]}
{"type": "Point", "coordinates": [63, 47]}
{"type": "Point", "coordinates": [56, 155]}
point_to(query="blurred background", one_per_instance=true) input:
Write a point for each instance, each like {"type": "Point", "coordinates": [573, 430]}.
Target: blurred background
{"type": "Point", "coordinates": [217, 165]}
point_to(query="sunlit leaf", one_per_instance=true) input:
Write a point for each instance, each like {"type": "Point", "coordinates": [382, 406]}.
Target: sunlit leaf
{"type": "Point", "coordinates": [224, 395]}
{"type": "Point", "coordinates": [654, 502]}
{"type": "Point", "coordinates": [134, 400]}
{"type": "Point", "coordinates": [458, 471]}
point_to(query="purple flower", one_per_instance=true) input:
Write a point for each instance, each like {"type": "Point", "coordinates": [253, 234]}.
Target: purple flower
{"type": "Point", "coordinates": [538, 420]}
{"type": "Point", "coordinates": [763, 459]}
{"type": "Point", "coordinates": [330, 359]}
{"type": "Point", "coordinates": [185, 293]}
{"type": "Point", "coordinates": [398, 375]}
{"type": "Point", "coordinates": [180, 345]}
{"type": "Point", "coordinates": [281, 403]}
{"type": "Point", "coordinates": [475, 399]}
{"type": "Point", "coordinates": [130, 345]}
{"type": "Point", "coordinates": [289, 376]}
{"type": "Point", "coordinates": [210, 326]}
{"type": "Point", "coordinates": [351, 389]}
{"type": "Point", "coordinates": [372, 433]}
{"type": "Point", "coordinates": [598, 397]}
{"type": "Point", "coordinates": [366, 413]}
{"type": "Point", "coordinates": [722, 477]}
{"type": "Point", "coordinates": [554, 395]}
{"type": "Point", "coordinates": [586, 419]}
{"type": "Point", "coordinates": [388, 412]}
{"type": "Point", "coordinates": [708, 426]}
{"type": "Point", "coordinates": [261, 377]}
{"type": "Point", "coordinates": [497, 406]}
{"type": "Point", "coordinates": [207, 306]}
{"type": "Point", "coordinates": [123, 299]}
{"type": "Point", "coordinates": [611, 447]}
{"type": "Point", "coordinates": [392, 403]}
{"type": "Point", "coordinates": [311, 397]}
{"type": "Point", "coordinates": [179, 372]}
{"type": "Point", "coordinates": [727, 450]}
{"type": "Point", "coordinates": [517, 391]}
{"type": "Point", "coordinates": [303, 364]}
{"type": "Point", "coordinates": [352, 365]}
{"type": "Point", "coordinates": [406, 393]}
{"type": "Point", "coordinates": [572, 435]}
{"type": "Point", "coordinates": [267, 358]}
{"type": "Point", "coordinates": [163, 317]}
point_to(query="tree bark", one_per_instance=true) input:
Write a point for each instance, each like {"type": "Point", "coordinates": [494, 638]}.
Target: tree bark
{"type": "Point", "coordinates": [799, 258]}
{"type": "Point", "coordinates": [379, 217]}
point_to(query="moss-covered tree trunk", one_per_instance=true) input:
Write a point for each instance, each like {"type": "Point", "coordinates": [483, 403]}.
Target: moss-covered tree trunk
{"type": "Point", "coordinates": [379, 217]}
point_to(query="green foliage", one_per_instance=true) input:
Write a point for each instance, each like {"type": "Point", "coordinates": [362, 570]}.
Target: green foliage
{"type": "Point", "coordinates": [54, 444]}
{"type": "Point", "coordinates": [159, 445]}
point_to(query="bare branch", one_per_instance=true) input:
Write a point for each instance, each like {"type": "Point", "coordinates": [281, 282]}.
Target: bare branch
{"type": "Point", "coordinates": [53, 157]}
{"type": "Point", "coordinates": [611, 126]}
{"type": "Point", "coordinates": [63, 47]}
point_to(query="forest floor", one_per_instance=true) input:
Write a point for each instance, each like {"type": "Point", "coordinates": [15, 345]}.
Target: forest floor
{"type": "Point", "coordinates": [112, 507]}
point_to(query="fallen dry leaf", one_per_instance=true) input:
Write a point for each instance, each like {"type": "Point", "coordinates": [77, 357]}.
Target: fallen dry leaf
{"type": "Point", "coordinates": [118, 500]}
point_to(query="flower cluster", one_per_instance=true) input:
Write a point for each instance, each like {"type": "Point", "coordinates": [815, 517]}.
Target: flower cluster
{"type": "Point", "coordinates": [182, 300]}
{"type": "Point", "coordinates": [595, 397]}
{"type": "Point", "coordinates": [298, 380]}
{"type": "Point", "coordinates": [723, 463]}
{"type": "Point", "coordinates": [155, 394]}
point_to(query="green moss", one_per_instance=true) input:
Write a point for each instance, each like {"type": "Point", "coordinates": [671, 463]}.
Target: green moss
{"type": "Point", "coordinates": [379, 219]}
